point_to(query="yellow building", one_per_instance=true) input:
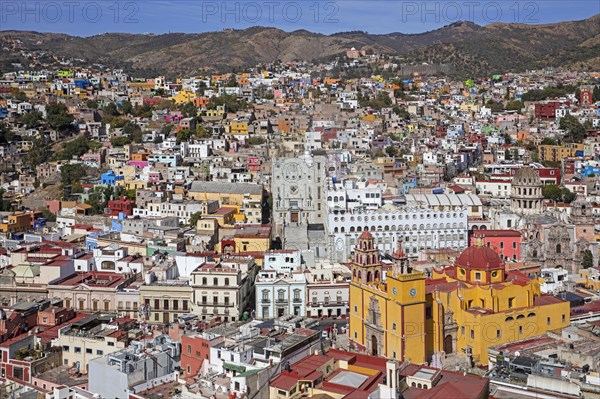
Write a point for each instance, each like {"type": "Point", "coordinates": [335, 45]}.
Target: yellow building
{"type": "Point", "coordinates": [387, 318]}
{"type": "Point", "coordinates": [234, 195]}
{"type": "Point", "coordinates": [477, 304]}
{"type": "Point", "coordinates": [462, 309]}
{"type": "Point", "coordinates": [239, 128]}
{"type": "Point", "coordinates": [557, 153]}
{"type": "Point", "coordinates": [17, 222]}
{"type": "Point", "coordinates": [184, 96]}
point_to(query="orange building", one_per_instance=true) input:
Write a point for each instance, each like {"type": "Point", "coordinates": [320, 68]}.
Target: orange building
{"type": "Point", "coordinates": [195, 350]}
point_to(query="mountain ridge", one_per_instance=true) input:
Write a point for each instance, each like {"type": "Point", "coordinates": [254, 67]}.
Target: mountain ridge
{"type": "Point", "coordinates": [472, 48]}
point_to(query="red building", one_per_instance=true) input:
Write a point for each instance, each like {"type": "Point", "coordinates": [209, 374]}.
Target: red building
{"type": "Point", "coordinates": [546, 110]}
{"type": "Point", "coordinates": [195, 349]}
{"type": "Point", "coordinates": [123, 204]}
{"type": "Point", "coordinates": [254, 164]}
{"type": "Point", "coordinates": [507, 243]}
{"type": "Point", "coordinates": [586, 96]}
{"type": "Point", "coordinates": [547, 175]}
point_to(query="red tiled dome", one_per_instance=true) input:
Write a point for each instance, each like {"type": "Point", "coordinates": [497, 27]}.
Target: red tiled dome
{"type": "Point", "coordinates": [365, 236]}
{"type": "Point", "coordinates": [481, 258]}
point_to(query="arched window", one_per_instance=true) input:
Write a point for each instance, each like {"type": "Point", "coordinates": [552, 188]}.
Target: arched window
{"type": "Point", "coordinates": [335, 230]}
{"type": "Point", "coordinates": [227, 281]}
{"type": "Point", "coordinates": [558, 248]}
{"type": "Point", "coordinates": [216, 281]}
{"type": "Point", "coordinates": [204, 281]}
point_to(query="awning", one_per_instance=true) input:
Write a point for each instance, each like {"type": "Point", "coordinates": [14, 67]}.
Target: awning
{"type": "Point", "coordinates": [234, 367]}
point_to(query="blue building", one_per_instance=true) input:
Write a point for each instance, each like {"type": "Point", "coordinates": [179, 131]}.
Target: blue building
{"type": "Point", "coordinates": [109, 178]}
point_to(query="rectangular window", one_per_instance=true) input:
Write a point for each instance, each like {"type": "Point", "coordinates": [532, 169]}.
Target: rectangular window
{"type": "Point", "coordinates": [564, 318]}
{"type": "Point", "coordinates": [65, 348]}
{"type": "Point", "coordinates": [394, 326]}
{"type": "Point", "coordinates": [472, 334]}
{"type": "Point", "coordinates": [99, 352]}
{"type": "Point", "coordinates": [548, 321]}
{"type": "Point", "coordinates": [89, 350]}
{"type": "Point", "coordinates": [511, 302]}
{"type": "Point", "coordinates": [77, 349]}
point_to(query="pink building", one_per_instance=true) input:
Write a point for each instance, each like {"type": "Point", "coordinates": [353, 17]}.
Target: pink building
{"type": "Point", "coordinates": [507, 243]}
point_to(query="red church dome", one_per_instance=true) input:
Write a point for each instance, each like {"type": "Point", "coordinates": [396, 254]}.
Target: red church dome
{"type": "Point", "coordinates": [480, 258]}
{"type": "Point", "coordinates": [365, 236]}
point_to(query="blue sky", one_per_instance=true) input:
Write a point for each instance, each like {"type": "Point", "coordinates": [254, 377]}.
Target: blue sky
{"type": "Point", "coordinates": [90, 17]}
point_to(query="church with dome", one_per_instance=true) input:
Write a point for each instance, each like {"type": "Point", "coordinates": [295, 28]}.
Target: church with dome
{"type": "Point", "coordinates": [551, 237]}
{"type": "Point", "coordinates": [461, 309]}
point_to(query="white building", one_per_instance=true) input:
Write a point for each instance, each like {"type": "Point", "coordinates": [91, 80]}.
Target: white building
{"type": "Point", "coordinates": [553, 280]}
{"type": "Point", "coordinates": [223, 289]}
{"type": "Point", "coordinates": [419, 227]}
{"type": "Point", "coordinates": [106, 258]}
{"type": "Point", "coordinates": [328, 290]}
{"type": "Point", "coordinates": [286, 260]}
{"type": "Point", "coordinates": [279, 294]}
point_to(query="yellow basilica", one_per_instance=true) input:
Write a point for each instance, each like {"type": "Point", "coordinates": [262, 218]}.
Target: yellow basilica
{"type": "Point", "coordinates": [465, 308]}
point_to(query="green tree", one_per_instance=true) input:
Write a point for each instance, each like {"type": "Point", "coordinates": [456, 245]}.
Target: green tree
{"type": "Point", "coordinates": [558, 194]}
{"type": "Point", "coordinates": [58, 116]}
{"type": "Point", "coordinates": [201, 132]}
{"type": "Point", "coordinates": [548, 141]}
{"type": "Point", "coordinates": [145, 111]}
{"type": "Point", "coordinates": [201, 88]}
{"type": "Point", "coordinates": [401, 112]}
{"type": "Point", "coordinates": [183, 135]}
{"type": "Point", "coordinates": [391, 151]}
{"type": "Point", "coordinates": [19, 95]}
{"type": "Point", "coordinates": [256, 140]}
{"type": "Point", "coordinates": [72, 173]}
{"type": "Point", "coordinates": [167, 128]}
{"type": "Point", "coordinates": [120, 141]}
{"type": "Point", "coordinates": [495, 106]}
{"type": "Point", "coordinates": [99, 198]}
{"type": "Point", "coordinates": [231, 103]}
{"type": "Point", "coordinates": [574, 131]}
{"type": "Point", "coordinates": [6, 134]}
{"type": "Point", "coordinates": [552, 192]}
{"type": "Point", "coordinates": [31, 119]}
{"type": "Point", "coordinates": [515, 105]}
{"type": "Point", "coordinates": [126, 107]}
{"type": "Point", "coordinates": [38, 154]}
{"type": "Point", "coordinates": [133, 131]}
{"type": "Point", "coordinates": [76, 147]}
{"type": "Point", "coordinates": [587, 259]}
{"type": "Point", "coordinates": [111, 109]}
{"type": "Point", "coordinates": [194, 218]}
{"type": "Point", "coordinates": [189, 110]}
{"type": "Point", "coordinates": [93, 104]}
{"type": "Point", "coordinates": [596, 94]}
{"type": "Point", "coordinates": [231, 82]}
